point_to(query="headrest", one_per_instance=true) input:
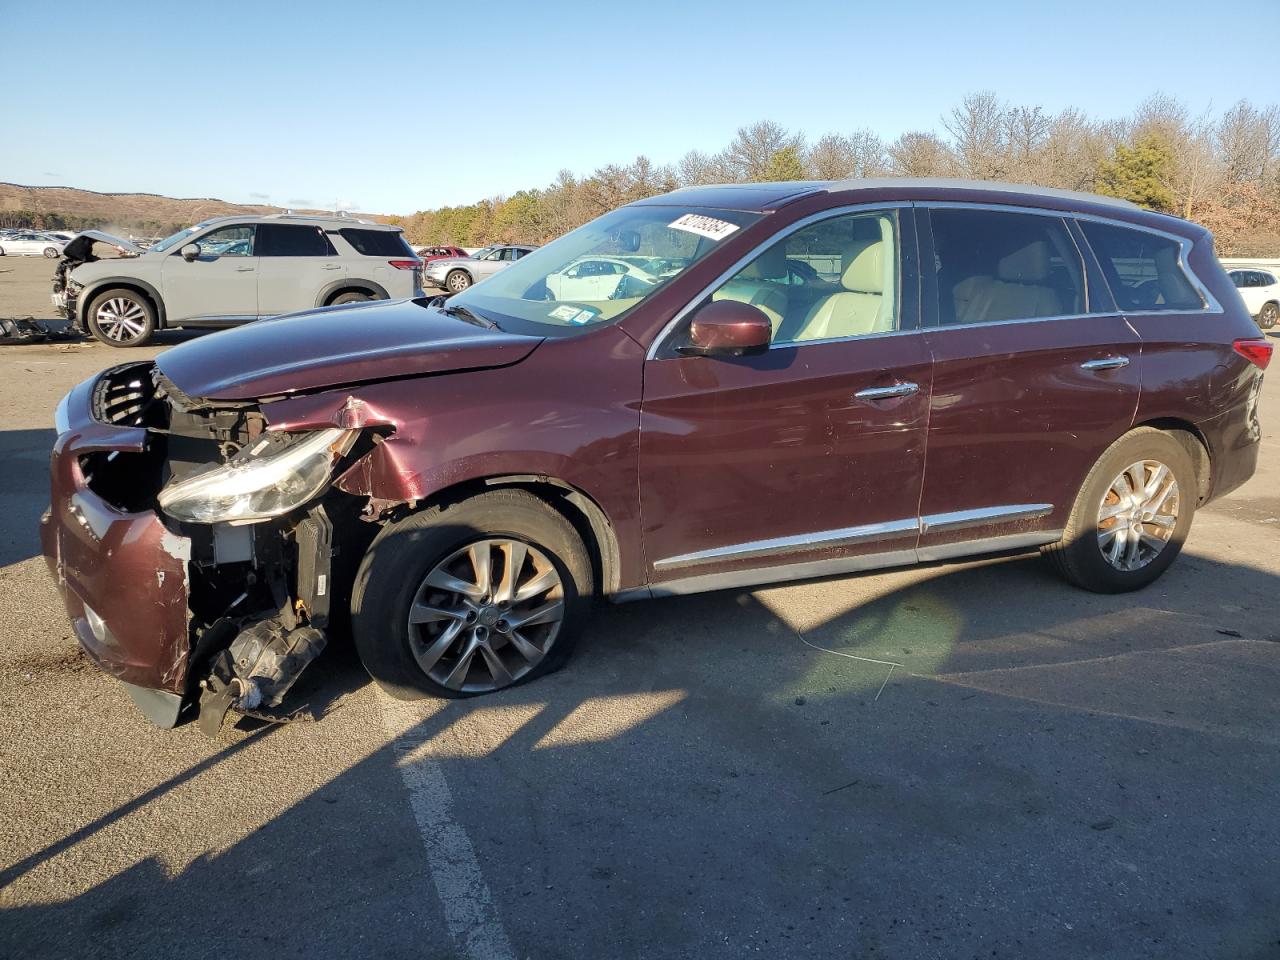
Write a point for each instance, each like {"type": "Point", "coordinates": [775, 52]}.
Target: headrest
{"type": "Point", "coordinates": [1030, 264]}
{"type": "Point", "coordinates": [864, 267]}
{"type": "Point", "coordinates": [770, 265]}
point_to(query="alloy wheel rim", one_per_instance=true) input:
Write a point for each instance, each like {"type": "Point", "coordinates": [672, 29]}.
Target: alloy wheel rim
{"type": "Point", "coordinates": [458, 283]}
{"type": "Point", "coordinates": [486, 615]}
{"type": "Point", "coordinates": [1137, 515]}
{"type": "Point", "coordinates": [121, 319]}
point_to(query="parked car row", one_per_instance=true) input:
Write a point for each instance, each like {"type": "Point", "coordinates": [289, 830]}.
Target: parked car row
{"type": "Point", "coordinates": [720, 387]}
{"type": "Point", "coordinates": [32, 243]}
{"type": "Point", "coordinates": [455, 274]}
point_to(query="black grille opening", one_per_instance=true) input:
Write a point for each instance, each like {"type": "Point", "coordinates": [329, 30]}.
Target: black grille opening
{"type": "Point", "coordinates": [127, 396]}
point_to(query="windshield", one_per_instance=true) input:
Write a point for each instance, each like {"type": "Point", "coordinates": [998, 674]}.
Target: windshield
{"type": "Point", "coordinates": [175, 238]}
{"type": "Point", "coordinates": [601, 271]}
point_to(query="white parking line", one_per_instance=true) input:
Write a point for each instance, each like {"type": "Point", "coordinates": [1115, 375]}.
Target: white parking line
{"type": "Point", "coordinates": [468, 906]}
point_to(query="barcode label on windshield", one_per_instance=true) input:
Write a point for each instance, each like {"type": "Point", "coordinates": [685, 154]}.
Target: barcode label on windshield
{"type": "Point", "coordinates": [708, 227]}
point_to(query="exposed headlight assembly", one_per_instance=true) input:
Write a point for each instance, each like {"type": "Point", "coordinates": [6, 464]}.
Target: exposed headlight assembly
{"type": "Point", "coordinates": [275, 474]}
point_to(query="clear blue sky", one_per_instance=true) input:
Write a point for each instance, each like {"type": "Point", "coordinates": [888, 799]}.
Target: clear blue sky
{"type": "Point", "coordinates": [393, 107]}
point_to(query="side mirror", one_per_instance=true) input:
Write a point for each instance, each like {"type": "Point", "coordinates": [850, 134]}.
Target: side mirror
{"type": "Point", "coordinates": [728, 328]}
{"type": "Point", "coordinates": [190, 251]}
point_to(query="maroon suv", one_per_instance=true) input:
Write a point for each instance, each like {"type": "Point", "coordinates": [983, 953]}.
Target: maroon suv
{"type": "Point", "coordinates": [719, 387]}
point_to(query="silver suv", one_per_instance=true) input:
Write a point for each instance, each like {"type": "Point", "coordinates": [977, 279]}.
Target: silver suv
{"type": "Point", "coordinates": [229, 271]}
{"type": "Point", "coordinates": [455, 274]}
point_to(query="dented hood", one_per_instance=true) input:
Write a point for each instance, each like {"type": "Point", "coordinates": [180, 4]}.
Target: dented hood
{"type": "Point", "coordinates": [337, 346]}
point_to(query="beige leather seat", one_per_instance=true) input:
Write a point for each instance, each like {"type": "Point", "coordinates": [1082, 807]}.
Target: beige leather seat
{"type": "Point", "coordinates": [862, 307]}
{"type": "Point", "coordinates": [761, 283]}
{"type": "Point", "coordinates": [1018, 291]}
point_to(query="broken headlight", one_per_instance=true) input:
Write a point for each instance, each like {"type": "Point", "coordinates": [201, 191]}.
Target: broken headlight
{"type": "Point", "coordinates": [271, 476]}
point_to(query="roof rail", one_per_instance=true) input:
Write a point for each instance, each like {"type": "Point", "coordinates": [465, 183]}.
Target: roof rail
{"type": "Point", "coordinates": [341, 215]}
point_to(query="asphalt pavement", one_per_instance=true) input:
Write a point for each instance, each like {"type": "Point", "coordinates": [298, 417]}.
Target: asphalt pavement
{"type": "Point", "coordinates": [968, 760]}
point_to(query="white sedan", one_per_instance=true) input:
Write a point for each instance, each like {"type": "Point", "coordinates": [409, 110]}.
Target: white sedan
{"type": "Point", "coordinates": [595, 278]}
{"type": "Point", "coordinates": [32, 244]}
{"type": "Point", "coordinates": [1260, 291]}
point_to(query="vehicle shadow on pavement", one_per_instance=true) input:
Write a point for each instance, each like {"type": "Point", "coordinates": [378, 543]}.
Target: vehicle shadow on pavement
{"type": "Point", "coordinates": [1011, 769]}
{"type": "Point", "coordinates": [25, 455]}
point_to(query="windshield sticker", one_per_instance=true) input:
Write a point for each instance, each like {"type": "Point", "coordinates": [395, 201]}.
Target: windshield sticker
{"type": "Point", "coordinates": [565, 312]}
{"type": "Point", "coordinates": [584, 316]}
{"type": "Point", "coordinates": [708, 227]}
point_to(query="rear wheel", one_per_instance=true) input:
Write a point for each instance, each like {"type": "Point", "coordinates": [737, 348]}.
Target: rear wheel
{"type": "Point", "coordinates": [121, 318]}
{"type": "Point", "coordinates": [457, 281]}
{"type": "Point", "coordinates": [1269, 315]}
{"type": "Point", "coordinates": [468, 599]}
{"type": "Point", "coordinates": [51, 252]}
{"type": "Point", "coordinates": [1131, 516]}
{"type": "Point", "coordinates": [351, 296]}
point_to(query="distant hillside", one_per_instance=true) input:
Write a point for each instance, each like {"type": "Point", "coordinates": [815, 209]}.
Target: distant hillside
{"type": "Point", "coordinates": [53, 208]}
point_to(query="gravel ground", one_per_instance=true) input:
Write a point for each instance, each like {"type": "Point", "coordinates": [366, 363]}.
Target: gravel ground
{"type": "Point", "coordinates": [1046, 773]}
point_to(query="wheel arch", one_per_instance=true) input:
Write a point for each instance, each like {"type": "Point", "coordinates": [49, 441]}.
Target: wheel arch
{"type": "Point", "coordinates": [350, 285]}
{"type": "Point", "coordinates": [575, 505]}
{"type": "Point", "coordinates": [1196, 445]}
{"type": "Point", "coordinates": [125, 283]}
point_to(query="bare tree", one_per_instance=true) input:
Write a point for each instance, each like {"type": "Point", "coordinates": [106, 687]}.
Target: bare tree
{"type": "Point", "coordinates": [919, 153]}
{"type": "Point", "coordinates": [1073, 149]}
{"type": "Point", "coordinates": [748, 154]}
{"type": "Point", "coordinates": [979, 132]}
{"type": "Point", "coordinates": [1026, 132]}
{"type": "Point", "coordinates": [696, 168]}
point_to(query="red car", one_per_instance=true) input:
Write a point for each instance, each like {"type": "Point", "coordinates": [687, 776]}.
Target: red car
{"type": "Point", "coordinates": [771, 381]}
{"type": "Point", "coordinates": [427, 254]}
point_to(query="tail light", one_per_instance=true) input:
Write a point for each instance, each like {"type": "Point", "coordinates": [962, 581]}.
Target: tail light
{"type": "Point", "coordinates": [405, 264]}
{"type": "Point", "coordinates": [1257, 352]}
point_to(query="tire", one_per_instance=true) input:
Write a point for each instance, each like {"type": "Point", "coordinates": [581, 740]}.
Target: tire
{"type": "Point", "coordinates": [51, 253]}
{"type": "Point", "coordinates": [412, 660]}
{"type": "Point", "coordinates": [136, 318]}
{"type": "Point", "coordinates": [351, 296]}
{"type": "Point", "coordinates": [1268, 316]}
{"type": "Point", "coordinates": [1, 251]}
{"type": "Point", "coordinates": [1081, 556]}
{"type": "Point", "coordinates": [457, 281]}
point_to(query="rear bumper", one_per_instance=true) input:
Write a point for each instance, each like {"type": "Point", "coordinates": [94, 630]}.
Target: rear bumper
{"type": "Point", "coordinates": [123, 576]}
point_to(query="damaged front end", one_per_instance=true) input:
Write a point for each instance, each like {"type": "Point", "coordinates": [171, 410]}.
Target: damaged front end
{"type": "Point", "coordinates": [236, 522]}
{"type": "Point", "coordinates": [81, 250]}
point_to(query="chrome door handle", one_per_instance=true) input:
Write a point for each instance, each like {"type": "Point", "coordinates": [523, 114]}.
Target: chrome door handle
{"type": "Point", "coordinates": [331, 266]}
{"type": "Point", "coordinates": [886, 393]}
{"type": "Point", "coordinates": [1105, 363]}
{"type": "Point", "coordinates": [244, 269]}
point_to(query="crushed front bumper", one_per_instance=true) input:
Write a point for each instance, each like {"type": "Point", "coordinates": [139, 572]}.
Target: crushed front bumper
{"type": "Point", "coordinates": [123, 575]}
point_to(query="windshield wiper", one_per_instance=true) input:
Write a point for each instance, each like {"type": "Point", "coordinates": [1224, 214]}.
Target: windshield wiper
{"type": "Point", "coordinates": [469, 315]}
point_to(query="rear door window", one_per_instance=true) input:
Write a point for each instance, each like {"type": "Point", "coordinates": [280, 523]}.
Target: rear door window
{"type": "Point", "coordinates": [379, 243]}
{"type": "Point", "coordinates": [292, 240]}
{"type": "Point", "coordinates": [1144, 270]}
{"type": "Point", "coordinates": [994, 266]}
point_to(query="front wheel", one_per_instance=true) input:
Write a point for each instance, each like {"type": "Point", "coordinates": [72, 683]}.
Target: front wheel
{"type": "Point", "coordinates": [1131, 516]}
{"type": "Point", "coordinates": [471, 598]}
{"type": "Point", "coordinates": [457, 281]}
{"type": "Point", "coordinates": [1269, 315]}
{"type": "Point", "coordinates": [121, 318]}
{"type": "Point", "coordinates": [51, 252]}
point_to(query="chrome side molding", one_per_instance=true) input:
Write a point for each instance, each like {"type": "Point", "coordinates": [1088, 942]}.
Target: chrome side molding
{"type": "Point", "coordinates": [866, 533]}
{"type": "Point", "coordinates": [779, 546]}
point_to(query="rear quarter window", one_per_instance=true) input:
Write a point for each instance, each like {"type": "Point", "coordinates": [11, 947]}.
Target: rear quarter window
{"type": "Point", "coordinates": [1144, 270]}
{"type": "Point", "coordinates": [376, 243]}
